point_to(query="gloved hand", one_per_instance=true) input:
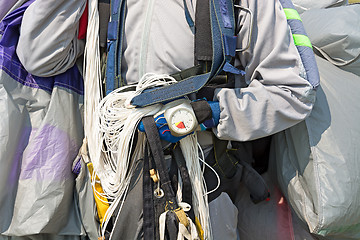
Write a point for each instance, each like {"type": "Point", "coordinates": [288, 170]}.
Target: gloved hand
{"type": "Point", "coordinates": [207, 114]}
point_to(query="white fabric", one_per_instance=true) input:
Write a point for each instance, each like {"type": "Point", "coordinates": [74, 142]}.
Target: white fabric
{"type": "Point", "coordinates": [223, 216]}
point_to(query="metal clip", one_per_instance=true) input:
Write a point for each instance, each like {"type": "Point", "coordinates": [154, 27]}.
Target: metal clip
{"type": "Point", "coordinates": [158, 193]}
{"type": "Point", "coordinates": [154, 175]}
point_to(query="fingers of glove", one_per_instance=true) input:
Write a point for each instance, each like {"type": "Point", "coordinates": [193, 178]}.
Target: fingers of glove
{"type": "Point", "coordinates": [163, 129]}
{"type": "Point", "coordinates": [215, 109]}
{"type": "Point", "coordinates": [166, 135]}
{"type": "Point", "coordinates": [160, 121]}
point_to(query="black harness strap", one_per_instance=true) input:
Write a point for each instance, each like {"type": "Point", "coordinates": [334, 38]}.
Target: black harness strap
{"type": "Point", "coordinates": [203, 45]}
{"type": "Point", "coordinates": [159, 158]}
{"type": "Point", "coordinates": [184, 173]}
{"type": "Point", "coordinates": [148, 203]}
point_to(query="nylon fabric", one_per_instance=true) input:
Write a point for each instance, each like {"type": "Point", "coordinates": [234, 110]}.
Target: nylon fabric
{"type": "Point", "coordinates": [115, 35]}
{"type": "Point", "coordinates": [203, 50]}
{"type": "Point", "coordinates": [335, 35]}
{"type": "Point", "coordinates": [42, 51]}
{"type": "Point", "coordinates": [41, 132]}
{"type": "Point", "coordinates": [302, 40]}
{"type": "Point", "coordinates": [158, 156]}
{"type": "Point", "coordinates": [306, 5]}
{"type": "Point", "coordinates": [318, 159]}
{"type": "Point", "coordinates": [186, 182]}
{"type": "Point", "coordinates": [292, 14]}
{"type": "Point", "coordinates": [148, 203]}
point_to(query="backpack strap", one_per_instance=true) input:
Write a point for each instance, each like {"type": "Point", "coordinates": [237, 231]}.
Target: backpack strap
{"type": "Point", "coordinates": [224, 48]}
{"type": "Point", "coordinates": [115, 41]}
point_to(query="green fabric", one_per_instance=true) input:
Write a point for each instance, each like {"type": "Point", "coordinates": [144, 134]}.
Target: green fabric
{"type": "Point", "coordinates": [302, 40]}
{"type": "Point", "coordinates": [291, 14]}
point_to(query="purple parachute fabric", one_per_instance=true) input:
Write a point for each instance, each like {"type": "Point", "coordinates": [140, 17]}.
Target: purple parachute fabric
{"type": "Point", "coordinates": [40, 134]}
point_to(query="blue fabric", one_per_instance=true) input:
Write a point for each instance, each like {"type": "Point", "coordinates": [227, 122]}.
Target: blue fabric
{"type": "Point", "coordinates": [225, 15]}
{"type": "Point", "coordinates": [115, 37]}
{"type": "Point", "coordinates": [215, 109]}
{"type": "Point", "coordinates": [189, 20]}
{"type": "Point", "coordinates": [231, 69]}
{"type": "Point", "coordinates": [214, 121]}
{"type": "Point", "coordinates": [230, 45]}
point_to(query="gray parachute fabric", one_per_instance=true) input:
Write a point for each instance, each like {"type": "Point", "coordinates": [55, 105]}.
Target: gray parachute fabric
{"type": "Point", "coordinates": [305, 5]}
{"type": "Point", "coordinates": [335, 35]}
{"type": "Point", "coordinates": [40, 133]}
{"type": "Point", "coordinates": [318, 160]}
{"type": "Point", "coordinates": [274, 217]}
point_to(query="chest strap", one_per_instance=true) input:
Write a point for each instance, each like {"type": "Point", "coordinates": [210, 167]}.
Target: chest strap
{"type": "Point", "coordinates": [223, 49]}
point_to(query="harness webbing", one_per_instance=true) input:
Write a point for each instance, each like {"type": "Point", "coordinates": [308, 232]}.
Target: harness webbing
{"type": "Point", "coordinates": [115, 40]}
{"type": "Point", "coordinates": [224, 44]}
{"type": "Point", "coordinates": [203, 50]}
{"type": "Point", "coordinates": [148, 203]}
{"type": "Point", "coordinates": [159, 159]}
{"type": "Point", "coordinates": [186, 181]}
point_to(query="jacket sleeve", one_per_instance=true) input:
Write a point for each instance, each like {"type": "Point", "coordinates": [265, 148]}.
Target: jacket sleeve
{"type": "Point", "coordinates": [276, 96]}
{"type": "Point", "coordinates": [48, 43]}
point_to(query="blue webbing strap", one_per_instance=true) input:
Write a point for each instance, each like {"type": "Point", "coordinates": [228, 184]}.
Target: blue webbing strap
{"type": "Point", "coordinates": [306, 52]}
{"type": "Point", "coordinates": [222, 27]}
{"type": "Point", "coordinates": [115, 38]}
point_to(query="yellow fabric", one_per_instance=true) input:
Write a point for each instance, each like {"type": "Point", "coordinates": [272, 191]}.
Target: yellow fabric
{"type": "Point", "coordinates": [292, 14]}
{"type": "Point", "coordinates": [199, 228]}
{"type": "Point", "coordinates": [101, 202]}
{"type": "Point", "coordinates": [182, 217]}
{"type": "Point", "coordinates": [302, 40]}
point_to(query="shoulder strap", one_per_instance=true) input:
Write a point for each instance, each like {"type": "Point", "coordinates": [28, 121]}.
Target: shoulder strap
{"type": "Point", "coordinates": [115, 41]}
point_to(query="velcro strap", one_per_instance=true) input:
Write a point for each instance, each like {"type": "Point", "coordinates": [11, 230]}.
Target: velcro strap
{"type": "Point", "coordinates": [202, 110]}
{"type": "Point", "coordinates": [203, 43]}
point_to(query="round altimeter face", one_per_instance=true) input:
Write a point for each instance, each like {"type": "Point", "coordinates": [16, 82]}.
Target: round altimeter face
{"type": "Point", "coordinates": [182, 121]}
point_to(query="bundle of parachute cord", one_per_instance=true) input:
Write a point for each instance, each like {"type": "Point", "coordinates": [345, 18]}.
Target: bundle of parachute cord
{"type": "Point", "coordinates": [110, 124]}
